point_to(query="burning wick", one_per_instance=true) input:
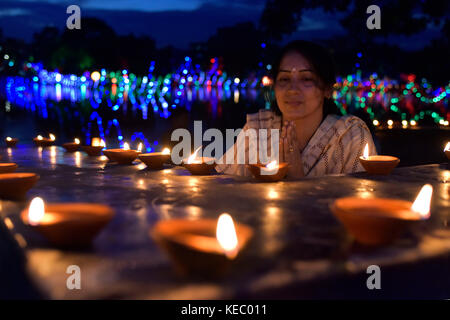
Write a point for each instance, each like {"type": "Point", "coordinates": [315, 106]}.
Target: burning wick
{"type": "Point", "coordinates": [52, 137]}
{"type": "Point", "coordinates": [126, 146]}
{"type": "Point", "coordinates": [423, 200]}
{"type": "Point", "coordinates": [226, 235]}
{"type": "Point", "coordinates": [8, 139]}
{"type": "Point", "coordinates": [272, 165]}
{"type": "Point", "coordinates": [39, 137]}
{"type": "Point", "coordinates": [447, 147]}
{"type": "Point", "coordinates": [166, 151]}
{"type": "Point", "coordinates": [366, 152]}
{"type": "Point", "coordinates": [77, 141]}
{"type": "Point", "coordinates": [36, 211]}
{"type": "Point", "coordinates": [193, 157]}
{"type": "Point", "coordinates": [139, 149]}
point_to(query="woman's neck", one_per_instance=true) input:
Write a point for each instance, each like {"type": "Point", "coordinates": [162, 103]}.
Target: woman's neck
{"type": "Point", "coordinates": [307, 126]}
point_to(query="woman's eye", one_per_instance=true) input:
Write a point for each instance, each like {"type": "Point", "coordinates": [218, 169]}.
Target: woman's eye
{"type": "Point", "coordinates": [283, 79]}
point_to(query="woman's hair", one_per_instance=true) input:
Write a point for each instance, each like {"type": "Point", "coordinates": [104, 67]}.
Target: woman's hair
{"type": "Point", "coordinates": [322, 64]}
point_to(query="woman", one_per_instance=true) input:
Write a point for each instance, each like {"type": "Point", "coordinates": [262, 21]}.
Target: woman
{"type": "Point", "coordinates": [314, 140]}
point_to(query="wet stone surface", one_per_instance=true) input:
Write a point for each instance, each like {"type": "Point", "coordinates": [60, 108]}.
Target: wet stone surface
{"type": "Point", "coordinates": [297, 241]}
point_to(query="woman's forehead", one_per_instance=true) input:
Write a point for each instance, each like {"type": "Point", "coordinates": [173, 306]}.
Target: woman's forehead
{"type": "Point", "coordinates": [293, 61]}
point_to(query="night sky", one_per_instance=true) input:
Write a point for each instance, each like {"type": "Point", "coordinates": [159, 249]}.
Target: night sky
{"type": "Point", "coordinates": [170, 22]}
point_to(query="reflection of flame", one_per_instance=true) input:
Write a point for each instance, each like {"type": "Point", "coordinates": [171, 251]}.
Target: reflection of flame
{"type": "Point", "coordinates": [139, 149]}
{"type": "Point", "coordinates": [39, 137]}
{"type": "Point", "coordinates": [272, 165]}
{"type": "Point", "coordinates": [77, 141]}
{"type": "Point", "coordinates": [166, 151]}
{"type": "Point", "coordinates": [447, 147]}
{"type": "Point", "coordinates": [366, 151]}
{"type": "Point", "coordinates": [8, 139]}
{"type": "Point", "coordinates": [52, 137]}
{"type": "Point", "coordinates": [423, 200]}
{"type": "Point", "coordinates": [193, 157]}
{"type": "Point", "coordinates": [36, 211]}
{"type": "Point", "coordinates": [226, 235]}
{"type": "Point", "coordinates": [126, 146]}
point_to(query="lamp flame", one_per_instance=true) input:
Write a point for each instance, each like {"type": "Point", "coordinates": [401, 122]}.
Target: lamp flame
{"type": "Point", "coordinates": [166, 151]}
{"type": "Point", "coordinates": [39, 137]}
{"type": "Point", "coordinates": [77, 141]}
{"type": "Point", "coordinates": [126, 146]}
{"type": "Point", "coordinates": [193, 157]}
{"type": "Point", "coordinates": [366, 151]}
{"type": "Point", "coordinates": [8, 139]}
{"type": "Point", "coordinates": [266, 81]}
{"type": "Point", "coordinates": [423, 200]}
{"type": "Point", "coordinates": [52, 137]}
{"type": "Point", "coordinates": [226, 235]}
{"type": "Point", "coordinates": [272, 165]}
{"type": "Point", "coordinates": [139, 149]}
{"type": "Point", "coordinates": [36, 211]}
{"type": "Point", "coordinates": [447, 147]}
{"type": "Point", "coordinates": [97, 142]}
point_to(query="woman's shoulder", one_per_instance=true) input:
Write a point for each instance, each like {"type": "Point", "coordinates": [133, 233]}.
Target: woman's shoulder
{"type": "Point", "coordinates": [264, 118]}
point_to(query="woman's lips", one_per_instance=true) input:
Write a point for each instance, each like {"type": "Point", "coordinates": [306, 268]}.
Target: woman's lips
{"type": "Point", "coordinates": [293, 103]}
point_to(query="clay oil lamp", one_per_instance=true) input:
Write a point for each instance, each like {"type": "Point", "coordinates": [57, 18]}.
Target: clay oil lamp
{"type": "Point", "coordinates": [447, 150]}
{"type": "Point", "coordinates": [96, 147]}
{"type": "Point", "coordinates": [378, 165]}
{"type": "Point", "coordinates": [269, 173]}
{"type": "Point", "coordinates": [121, 156]}
{"type": "Point", "coordinates": [11, 142]}
{"type": "Point", "coordinates": [7, 167]}
{"type": "Point", "coordinates": [205, 247]}
{"type": "Point", "coordinates": [379, 221]}
{"type": "Point", "coordinates": [44, 142]}
{"type": "Point", "coordinates": [199, 165]}
{"type": "Point", "coordinates": [155, 160]}
{"type": "Point", "coordinates": [67, 224]}
{"type": "Point", "coordinates": [16, 185]}
{"type": "Point", "coordinates": [72, 146]}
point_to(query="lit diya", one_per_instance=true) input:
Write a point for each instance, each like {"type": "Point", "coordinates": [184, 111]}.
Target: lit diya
{"type": "Point", "coordinates": [199, 165]}
{"type": "Point", "coordinates": [379, 221]}
{"type": "Point", "coordinates": [447, 150]}
{"type": "Point", "coordinates": [269, 173]}
{"type": "Point", "coordinates": [72, 146]}
{"type": "Point", "coordinates": [96, 147]}
{"type": "Point", "coordinates": [381, 165]}
{"type": "Point", "coordinates": [7, 167]}
{"type": "Point", "coordinates": [121, 156]}
{"type": "Point", "coordinates": [206, 246]}
{"type": "Point", "coordinates": [40, 141]}
{"type": "Point", "coordinates": [16, 185]}
{"type": "Point", "coordinates": [155, 160]}
{"type": "Point", "coordinates": [11, 142]}
{"type": "Point", "coordinates": [67, 224]}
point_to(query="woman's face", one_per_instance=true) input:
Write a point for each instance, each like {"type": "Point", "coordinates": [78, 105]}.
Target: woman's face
{"type": "Point", "coordinates": [297, 88]}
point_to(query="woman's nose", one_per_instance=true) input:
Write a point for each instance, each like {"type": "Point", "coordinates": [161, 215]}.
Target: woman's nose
{"type": "Point", "coordinates": [294, 86]}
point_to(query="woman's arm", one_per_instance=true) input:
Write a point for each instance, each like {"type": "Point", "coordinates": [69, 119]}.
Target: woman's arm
{"type": "Point", "coordinates": [290, 150]}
